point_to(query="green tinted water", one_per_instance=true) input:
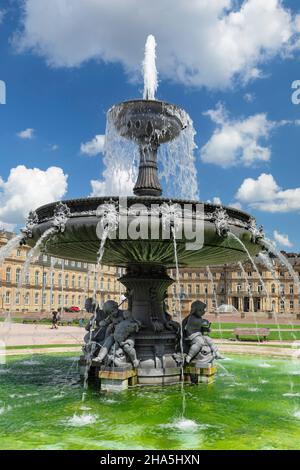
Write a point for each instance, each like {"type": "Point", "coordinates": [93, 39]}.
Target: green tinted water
{"type": "Point", "coordinates": [254, 404]}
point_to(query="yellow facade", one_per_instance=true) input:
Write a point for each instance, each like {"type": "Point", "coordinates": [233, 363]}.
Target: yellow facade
{"type": "Point", "coordinates": [53, 283]}
{"type": "Point", "coordinates": [68, 283]}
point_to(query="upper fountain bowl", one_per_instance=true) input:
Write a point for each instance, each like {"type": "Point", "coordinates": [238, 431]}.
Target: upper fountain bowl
{"type": "Point", "coordinates": [148, 121]}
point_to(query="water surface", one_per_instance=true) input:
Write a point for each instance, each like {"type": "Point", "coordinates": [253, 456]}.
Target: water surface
{"type": "Point", "coordinates": [254, 404]}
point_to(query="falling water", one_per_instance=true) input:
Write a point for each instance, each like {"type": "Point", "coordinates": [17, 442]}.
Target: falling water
{"type": "Point", "coordinates": [268, 263]}
{"type": "Point", "coordinates": [177, 162]}
{"type": "Point", "coordinates": [252, 261]}
{"type": "Point", "coordinates": [11, 245]}
{"type": "Point", "coordinates": [173, 230]}
{"type": "Point", "coordinates": [272, 248]}
{"type": "Point", "coordinates": [36, 250]}
{"type": "Point", "coordinates": [149, 68]}
{"type": "Point", "coordinates": [210, 277]}
{"type": "Point", "coordinates": [250, 291]}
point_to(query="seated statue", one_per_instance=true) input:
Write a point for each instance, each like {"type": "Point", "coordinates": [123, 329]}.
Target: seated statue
{"type": "Point", "coordinates": [101, 326]}
{"type": "Point", "coordinates": [194, 327]}
{"type": "Point", "coordinates": [124, 342]}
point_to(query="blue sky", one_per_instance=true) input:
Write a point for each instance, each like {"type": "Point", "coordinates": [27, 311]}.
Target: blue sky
{"type": "Point", "coordinates": [62, 73]}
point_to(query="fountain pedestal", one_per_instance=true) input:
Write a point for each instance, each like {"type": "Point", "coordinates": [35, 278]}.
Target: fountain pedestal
{"type": "Point", "coordinates": [157, 341]}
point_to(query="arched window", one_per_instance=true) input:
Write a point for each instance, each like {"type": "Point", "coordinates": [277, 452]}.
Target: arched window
{"type": "Point", "coordinates": [73, 281]}
{"type": "Point", "coordinates": [273, 289]}
{"type": "Point", "coordinates": [26, 298]}
{"type": "Point", "coordinates": [291, 288]}
{"type": "Point", "coordinates": [60, 280]}
{"type": "Point", "coordinates": [67, 280]}
{"type": "Point", "coordinates": [79, 282]}
{"type": "Point", "coordinates": [36, 298]}
{"type": "Point", "coordinates": [27, 278]}
{"type": "Point", "coordinates": [44, 279]}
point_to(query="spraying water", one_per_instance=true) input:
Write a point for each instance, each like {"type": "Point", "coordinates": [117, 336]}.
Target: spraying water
{"type": "Point", "coordinates": [252, 261]}
{"type": "Point", "coordinates": [36, 250]}
{"type": "Point", "coordinates": [7, 249]}
{"type": "Point", "coordinates": [149, 69]}
{"type": "Point", "coordinates": [272, 248]}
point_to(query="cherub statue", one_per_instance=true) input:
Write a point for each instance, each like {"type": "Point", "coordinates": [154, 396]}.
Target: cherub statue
{"type": "Point", "coordinates": [106, 321]}
{"type": "Point", "coordinates": [194, 327]}
{"type": "Point", "coordinates": [124, 340]}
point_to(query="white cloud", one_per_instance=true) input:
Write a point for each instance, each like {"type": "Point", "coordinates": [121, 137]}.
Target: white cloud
{"type": "Point", "coordinates": [200, 42]}
{"type": "Point", "coordinates": [28, 188]}
{"type": "Point", "coordinates": [266, 195]}
{"type": "Point", "coordinates": [237, 142]}
{"type": "Point", "coordinates": [26, 134]}
{"type": "Point", "coordinates": [282, 239]}
{"type": "Point", "coordinates": [94, 146]}
{"type": "Point", "coordinates": [119, 181]}
{"type": "Point", "coordinates": [249, 97]}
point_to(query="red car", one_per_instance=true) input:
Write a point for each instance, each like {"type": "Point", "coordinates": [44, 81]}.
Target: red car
{"type": "Point", "coordinates": [75, 309]}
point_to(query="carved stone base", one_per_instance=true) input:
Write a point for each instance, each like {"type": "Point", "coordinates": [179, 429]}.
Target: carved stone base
{"type": "Point", "coordinates": [117, 378]}
{"type": "Point", "coordinates": [196, 375]}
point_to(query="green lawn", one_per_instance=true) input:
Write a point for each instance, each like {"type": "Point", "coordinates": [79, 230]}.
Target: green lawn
{"type": "Point", "coordinates": [44, 346]}
{"type": "Point", "coordinates": [232, 326]}
{"type": "Point", "coordinates": [274, 335]}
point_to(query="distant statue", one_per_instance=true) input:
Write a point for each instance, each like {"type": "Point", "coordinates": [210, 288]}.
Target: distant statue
{"type": "Point", "coordinates": [169, 323]}
{"type": "Point", "coordinates": [199, 346]}
{"type": "Point", "coordinates": [90, 305]}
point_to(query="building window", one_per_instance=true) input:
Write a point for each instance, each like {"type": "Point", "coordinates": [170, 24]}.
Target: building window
{"type": "Point", "coordinates": [26, 298]}
{"type": "Point", "coordinates": [197, 289]}
{"type": "Point", "coordinates": [79, 282]}
{"type": "Point", "coordinates": [18, 253]}
{"type": "Point", "coordinates": [36, 298]}
{"type": "Point", "coordinates": [60, 280]}
{"type": "Point", "coordinates": [291, 289]}
{"type": "Point", "coordinates": [52, 279]}
{"type": "Point", "coordinates": [36, 278]}
{"type": "Point", "coordinates": [8, 275]}
{"type": "Point", "coordinates": [291, 305]}
{"type": "Point", "coordinates": [205, 289]}
{"type": "Point", "coordinates": [18, 275]}
{"type": "Point", "coordinates": [7, 297]}
{"type": "Point", "coordinates": [73, 281]}
{"type": "Point", "coordinates": [281, 288]}
{"type": "Point", "coordinates": [27, 278]}
{"type": "Point", "coordinates": [259, 288]}
{"type": "Point", "coordinates": [239, 288]}
{"type": "Point", "coordinates": [273, 289]}
{"type": "Point", "coordinates": [73, 299]}
{"type": "Point", "coordinates": [44, 279]}
{"type": "Point", "coordinates": [67, 280]}
{"type": "Point", "coordinates": [249, 273]}
{"type": "Point", "coordinates": [18, 297]}
{"type": "Point", "coordinates": [282, 304]}
{"type": "Point", "coordinates": [59, 299]}
{"type": "Point", "coordinates": [44, 298]}
{"type": "Point", "coordinates": [189, 289]}
{"type": "Point", "coordinates": [52, 298]}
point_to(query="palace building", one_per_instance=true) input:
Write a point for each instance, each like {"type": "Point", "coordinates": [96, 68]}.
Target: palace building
{"type": "Point", "coordinates": [52, 283]}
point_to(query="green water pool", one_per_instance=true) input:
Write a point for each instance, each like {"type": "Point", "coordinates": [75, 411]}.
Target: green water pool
{"type": "Point", "coordinates": [254, 404]}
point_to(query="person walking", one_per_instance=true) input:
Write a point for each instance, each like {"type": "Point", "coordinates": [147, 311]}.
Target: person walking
{"type": "Point", "coordinates": [54, 320]}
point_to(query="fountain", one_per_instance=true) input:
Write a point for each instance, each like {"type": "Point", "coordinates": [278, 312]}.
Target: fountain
{"type": "Point", "coordinates": [147, 234]}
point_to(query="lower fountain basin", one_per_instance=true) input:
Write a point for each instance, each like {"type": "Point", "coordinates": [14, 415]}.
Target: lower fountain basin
{"type": "Point", "coordinates": [80, 242]}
